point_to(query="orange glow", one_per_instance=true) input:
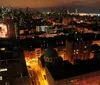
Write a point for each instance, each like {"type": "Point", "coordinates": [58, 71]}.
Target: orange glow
{"type": "Point", "coordinates": [35, 68]}
{"type": "Point", "coordinates": [3, 31]}
{"type": "Point", "coordinates": [96, 42]}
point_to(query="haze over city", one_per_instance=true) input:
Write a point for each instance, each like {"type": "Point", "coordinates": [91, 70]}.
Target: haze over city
{"type": "Point", "coordinates": [44, 5]}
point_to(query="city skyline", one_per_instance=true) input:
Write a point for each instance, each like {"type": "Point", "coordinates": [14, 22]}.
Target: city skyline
{"type": "Point", "coordinates": [60, 46]}
{"type": "Point", "coordinates": [44, 5]}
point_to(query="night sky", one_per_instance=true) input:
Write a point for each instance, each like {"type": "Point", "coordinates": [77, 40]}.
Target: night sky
{"type": "Point", "coordinates": [81, 5]}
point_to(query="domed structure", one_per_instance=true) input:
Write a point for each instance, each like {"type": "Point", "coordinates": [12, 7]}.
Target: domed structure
{"type": "Point", "coordinates": [50, 55]}
{"type": "Point", "coordinates": [50, 52]}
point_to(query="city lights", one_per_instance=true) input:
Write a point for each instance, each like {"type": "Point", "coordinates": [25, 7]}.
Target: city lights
{"type": "Point", "coordinates": [57, 45]}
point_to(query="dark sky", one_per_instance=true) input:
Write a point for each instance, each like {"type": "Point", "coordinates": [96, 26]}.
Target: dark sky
{"type": "Point", "coordinates": [82, 5]}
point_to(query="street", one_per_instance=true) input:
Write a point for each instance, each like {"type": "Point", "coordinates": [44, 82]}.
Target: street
{"type": "Point", "coordinates": [35, 73]}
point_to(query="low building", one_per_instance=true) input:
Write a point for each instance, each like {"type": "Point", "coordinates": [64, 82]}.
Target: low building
{"type": "Point", "coordinates": [78, 47]}
{"type": "Point", "coordinates": [58, 72]}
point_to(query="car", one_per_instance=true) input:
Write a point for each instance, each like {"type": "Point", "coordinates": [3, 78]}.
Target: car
{"type": "Point", "coordinates": [28, 66]}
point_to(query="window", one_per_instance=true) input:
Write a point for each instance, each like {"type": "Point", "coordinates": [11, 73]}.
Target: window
{"type": "Point", "coordinates": [21, 31]}
{"type": "Point", "coordinates": [50, 59]}
{"type": "Point", "coordinates": [7, 83]}
{"type": "Point", "coordinates": [62, 42]}
{"type": "Point", "coordinates": [2, 49]}
{"type": "Point", "coordinates": [5, 69]}
{"type": "Point", "coordinates": [84, 51]}
{"type": "Point", "coordinates": [75, 32]}
{"type": "Point", "coordinates": [76, 52]}
{"type": "Point", "coordinates": [1, 78]}
{"type": "Point", "coordinates": [47, 59]}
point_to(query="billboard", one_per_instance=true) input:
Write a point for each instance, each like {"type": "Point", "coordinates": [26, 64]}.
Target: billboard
{"type": "Point", "coordinates": [3, 30]}
{"type": "Point", "coordinates": [7, 29]}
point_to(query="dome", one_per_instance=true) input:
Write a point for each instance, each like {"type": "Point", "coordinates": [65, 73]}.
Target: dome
{"type": "Point", "coordinates": [51, 53]}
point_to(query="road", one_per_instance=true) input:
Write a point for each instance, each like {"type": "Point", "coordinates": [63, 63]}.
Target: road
{"type": "Point", "coordinates": [35, 72]}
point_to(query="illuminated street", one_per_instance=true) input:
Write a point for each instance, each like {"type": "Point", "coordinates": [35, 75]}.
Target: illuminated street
{"type": "Point", "coordinates": [36, 74]}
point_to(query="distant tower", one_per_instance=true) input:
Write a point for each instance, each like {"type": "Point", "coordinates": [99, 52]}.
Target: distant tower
{"type": "Point", "coordinates": [76, 11]}
{"type": "Point", "coordinates": [67, 11]}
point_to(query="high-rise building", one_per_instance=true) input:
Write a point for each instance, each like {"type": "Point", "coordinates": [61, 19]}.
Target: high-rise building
{"type": "Point", "coordinates": [76, 11]}
{"type": "Point", "coordinates": [13, 70]}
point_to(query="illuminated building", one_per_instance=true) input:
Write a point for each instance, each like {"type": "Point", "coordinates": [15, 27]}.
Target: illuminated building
{"type": "Point", "coordinates": [11, 28]}
{"type": "Point", "coordinates": [55, 71]}
{"type": "Point", "coordinates": [33, 54]}
{"type": "Point", "coordinates": [65, 21]}
{"type": "Point", "coordinates": [78, 48]}
{"type": "Point", "coordinates": [42, 28]}
{"type": "Point", "coordinates": [7, 29]}
{"type": "Point", "coordinates": [13, 70]}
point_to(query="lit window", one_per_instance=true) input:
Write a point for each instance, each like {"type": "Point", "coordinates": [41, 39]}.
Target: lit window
{"type": "Point", "coordinates": [75, 32]}
{"type": "Point", "coordinates": [85, 46]}
{"type": "Point", "coordinates": [7, 83]}
{"type": "Point", "coordinates": [21, 31]}
{"type": "Point", "coordinates": [1, 70]}
{"type": "Point", "coordinates": [77, 39]}
{"type": "Point", "coordinates": [1, 78]}
{"type": "Point", "coordinates": [62, 42]}
{"type": "Point", "coordinates": [30, 46]}
{"type": "Point", "coordinates": [2, 49]}
{"type": "Point", "coordinates": [76, 52]}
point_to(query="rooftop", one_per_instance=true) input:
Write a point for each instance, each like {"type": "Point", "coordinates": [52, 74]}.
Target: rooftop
{"type": "Point", "coordinates": [81, 68]}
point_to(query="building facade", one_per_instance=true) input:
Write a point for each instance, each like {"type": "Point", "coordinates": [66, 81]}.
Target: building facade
{"type": "Point", "coordinates": [13, 70]}
{"type": "Point", "coordinates": [78, 50]}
